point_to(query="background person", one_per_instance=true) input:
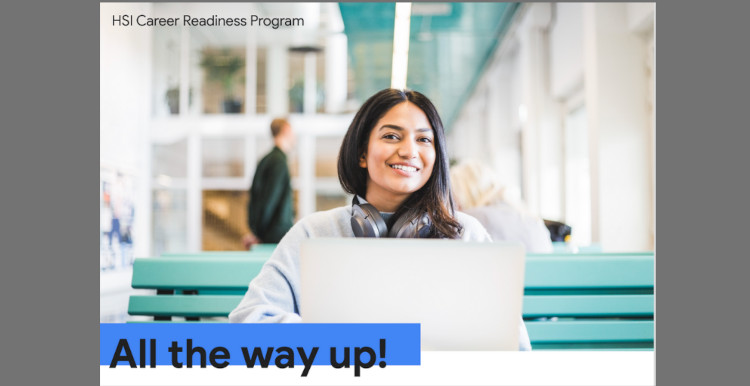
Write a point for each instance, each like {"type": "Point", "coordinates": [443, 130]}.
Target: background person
{"type": "Point", "coordinates": [269, 212]}
{"type": "Point", "coordinates": [480, 193]}
{"type": "Point", "coordinates": [393, 160]}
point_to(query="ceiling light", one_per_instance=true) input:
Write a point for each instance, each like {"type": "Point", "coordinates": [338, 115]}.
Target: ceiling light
{"type": "Point", "coordinates": [400, 45]}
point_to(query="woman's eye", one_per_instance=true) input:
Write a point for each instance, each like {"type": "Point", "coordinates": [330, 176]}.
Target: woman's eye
{"type": "Point", "coordinates": [390, 136]}
{"type": "Point", "coordinates": [426, 140]}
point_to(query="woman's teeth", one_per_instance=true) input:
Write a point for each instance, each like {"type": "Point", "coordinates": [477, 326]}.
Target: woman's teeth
{"type": "Point", "coordinates": [405, 168]}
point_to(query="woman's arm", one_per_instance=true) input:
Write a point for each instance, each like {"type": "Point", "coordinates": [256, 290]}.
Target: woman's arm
{"type": "Point", "coordinates": [271, 296]}
{"type": "Point", "coordinates": [269, 299]}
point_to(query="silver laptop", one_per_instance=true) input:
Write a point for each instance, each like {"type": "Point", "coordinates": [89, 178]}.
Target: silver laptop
{"type": "Point", "coordinates": [466, 295]}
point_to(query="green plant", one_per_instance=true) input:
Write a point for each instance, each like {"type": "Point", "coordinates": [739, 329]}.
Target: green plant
{"type": "Point", "coordinates": [222, 67]}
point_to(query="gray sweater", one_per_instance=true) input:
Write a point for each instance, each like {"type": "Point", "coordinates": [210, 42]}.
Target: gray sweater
{"type": "Point", "coordinates": [273, 296]}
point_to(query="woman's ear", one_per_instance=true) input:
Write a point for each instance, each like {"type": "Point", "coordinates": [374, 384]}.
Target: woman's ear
{"type": "Point", "coordinates": [363, 160]}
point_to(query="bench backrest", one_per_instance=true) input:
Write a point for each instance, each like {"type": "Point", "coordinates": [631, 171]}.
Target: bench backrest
{"type": "Point", "coordinates": [257, 250]}
{"type": "Point", "coordinates": [192, 287]}
{"type": "Point", "coordinates": [571, 301]}
{"type": "Point", "coordinates": [590, 301]}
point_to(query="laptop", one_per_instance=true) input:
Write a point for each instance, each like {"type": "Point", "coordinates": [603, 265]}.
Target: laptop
{"type": "Point", "coordinates": [466, 295]}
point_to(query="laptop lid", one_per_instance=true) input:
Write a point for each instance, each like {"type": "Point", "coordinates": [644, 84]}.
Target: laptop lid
{"type": "Point", "coordinates": [466, 295]}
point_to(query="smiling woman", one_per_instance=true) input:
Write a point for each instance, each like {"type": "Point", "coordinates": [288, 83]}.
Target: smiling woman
{"type": "Point", "coordinates": [393, 160]}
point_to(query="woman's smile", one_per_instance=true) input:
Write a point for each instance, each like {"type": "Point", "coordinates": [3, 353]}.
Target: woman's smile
{"type": "Point", "coordinates": [404, 169]}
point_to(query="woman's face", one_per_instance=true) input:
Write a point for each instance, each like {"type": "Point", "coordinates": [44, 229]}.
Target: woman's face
{"type": "Point", "coordinates": [400, 156]}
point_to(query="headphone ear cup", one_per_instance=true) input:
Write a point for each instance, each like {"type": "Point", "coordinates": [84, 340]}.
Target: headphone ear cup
{"type": "Point", "coordinates": [402, 228]}
{"type": "Point", "coordinates": [367, 222]}
{"type": "Point", "coordinates": [424, 227]}
{"type": "Point", "coordinates": [417, 228]}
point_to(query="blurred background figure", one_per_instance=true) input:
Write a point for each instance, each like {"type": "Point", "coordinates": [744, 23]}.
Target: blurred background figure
{"type": "Point", "coordinates": [269, 211]}
{"type": "Point", "coordinates": [479, 193]}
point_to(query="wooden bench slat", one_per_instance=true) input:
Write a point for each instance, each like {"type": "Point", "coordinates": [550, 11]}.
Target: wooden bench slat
{"type": "Point", "coordinates": [221, 305]}
{"type": "Point", "coordinates": [589, 291]}
{"type": "Point", "coordinates": [590, 270]}
{"type": "Point", "coordinates": [258, 249]}
{"type": "Point", "coordinates": [183, 305]}
{"type": "Point", "coordinates": [596, 346]}
{"type": "Point", "coordinates": [590, 331]}
{"type": "Point", "coordinates": [219, 256]}
{"type": "Point", "coordinates": [240, 291]}
{"type": "Point", "coordinates": [195, 273]}
{"type": "Point", "coordinates": [588, 305]}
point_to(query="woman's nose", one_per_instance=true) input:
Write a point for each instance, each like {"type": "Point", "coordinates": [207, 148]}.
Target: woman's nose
{"type": "Point", "coordinates": [408, 149]}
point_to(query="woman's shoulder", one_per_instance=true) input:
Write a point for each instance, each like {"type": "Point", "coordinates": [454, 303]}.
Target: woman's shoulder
{"type": "Point", "coordinates": [472, 228]}
{"type": "Point", "coordinates": [327, 215]}
{"type": "Point", "coordinates": [332, 222]}
{"type": "Point", "coordinates": [466, 219]}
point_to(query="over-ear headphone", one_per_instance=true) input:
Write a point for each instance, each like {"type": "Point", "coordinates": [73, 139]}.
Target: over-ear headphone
{"type": "Point", "coordinates": [367, 222]}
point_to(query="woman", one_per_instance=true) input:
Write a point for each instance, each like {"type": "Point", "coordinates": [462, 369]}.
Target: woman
{"type": "Point", "coordinates": [480, 194]}
{"type": "Point", "coordinates": [393, 160]}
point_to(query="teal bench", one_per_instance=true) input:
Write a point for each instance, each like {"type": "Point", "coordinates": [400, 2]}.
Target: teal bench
{"type": "Point", "coordinates": [257, 250]}
{"type": "Point", "coordinates": [561, 247]}
{"type": "Point", "coordinates": [199, 285]}
{"type": "Point", "coordinates": [591, 301]}
{"type": "Point", "coordinates": [192, 287]}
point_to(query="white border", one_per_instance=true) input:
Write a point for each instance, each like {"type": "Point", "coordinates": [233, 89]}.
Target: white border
{"type": "Point", "coordinates": [437, 368]}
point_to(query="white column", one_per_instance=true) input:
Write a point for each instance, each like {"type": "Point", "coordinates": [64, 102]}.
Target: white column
{"type": "Point", "coordinates": [506, 140]}
{"type": "Point", "coordinates": [184, 70]}
{"type": "Point", "coordinates": [277, 80]}
{"type": "Point", "coordinates": [143, 207]}
{"type": "Point", "coordinates": [336, 73]}
{"type": "Point", "coordinates": [533, 90]}
{"type": "Point", "coordinates": [306, 144]}
{"type": "Point", "coordinates": [306, 177]}
{"type": "Point", "coordinates": [551, 161]}
{"type": "Point", "coordinates": [310, 88]}
{"type": "Point", "coordinates": [485, 125]}
{"type": "Point", "coordinates": [615, 92]}
{"type": "Point", "coordinates": [251, 72]}
{"type": "Point", "coordinates": [193, 189]}
{"type": "Point", "coordinates": [194, 192]}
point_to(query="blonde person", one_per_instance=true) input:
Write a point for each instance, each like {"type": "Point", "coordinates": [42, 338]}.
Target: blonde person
{"type": "Point", "coordinates": [393, 160]}
{"type": "Point", "coordinates": [479, 193]}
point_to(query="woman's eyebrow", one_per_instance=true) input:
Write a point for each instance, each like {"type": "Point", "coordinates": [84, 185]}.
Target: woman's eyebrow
{"type": "Point", "coordinates": [389, 126]}
{"type": "Point", "coordinates": [396, 127]}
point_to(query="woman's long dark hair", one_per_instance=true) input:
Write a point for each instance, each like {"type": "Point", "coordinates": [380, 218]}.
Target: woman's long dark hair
{"type": "Point", "coordinates": [435, 197]}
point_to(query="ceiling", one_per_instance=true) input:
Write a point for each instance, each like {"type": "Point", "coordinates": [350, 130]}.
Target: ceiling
{"type": "Point", "coordinates": [449, 42]}
{"type": "Point", "coordinates": [448, 47]}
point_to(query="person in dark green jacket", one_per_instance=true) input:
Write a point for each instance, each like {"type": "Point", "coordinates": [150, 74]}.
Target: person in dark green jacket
{"type": "Point", "coordinates": [269, 211]}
